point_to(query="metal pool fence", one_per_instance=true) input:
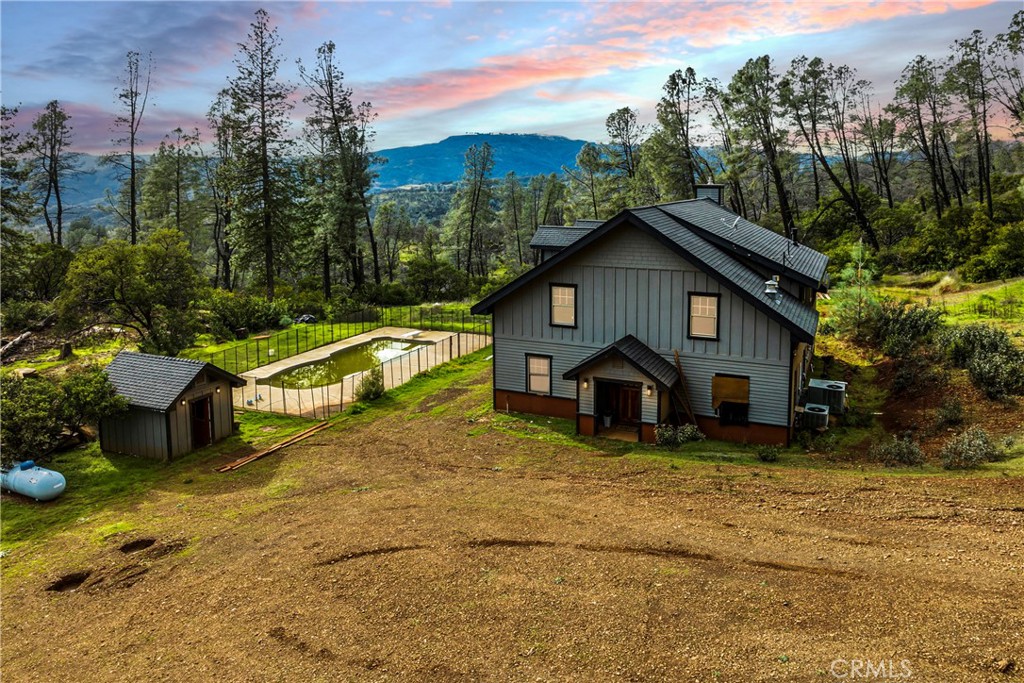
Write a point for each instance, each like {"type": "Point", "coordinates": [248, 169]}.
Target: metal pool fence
{"type": "Point", "coordinates": [264, 349]}
{"type": "Point", "coordinates": [323, 401]}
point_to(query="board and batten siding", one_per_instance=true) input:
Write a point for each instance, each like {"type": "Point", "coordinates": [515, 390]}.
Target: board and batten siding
{"type": "Point", "coordinates": [139, 432]}
{"type": "Point", "coordinates": [181, 417]}
{"type": "Point", "coordinates": [629, 283]}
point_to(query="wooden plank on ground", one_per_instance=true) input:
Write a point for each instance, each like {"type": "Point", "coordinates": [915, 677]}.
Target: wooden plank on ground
{"type": "Point", "coordinates": [235, 464]}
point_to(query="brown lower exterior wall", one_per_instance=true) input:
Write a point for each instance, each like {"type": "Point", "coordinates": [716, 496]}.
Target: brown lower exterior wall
{"type": "Point", "coordinates": [587, 424]}
{"type": "Point", "coordinates": [751, 433]}
{"type": "Point", "coordinates": [534, 404]}
{"type": "Point", "coordinates": [647, 433]}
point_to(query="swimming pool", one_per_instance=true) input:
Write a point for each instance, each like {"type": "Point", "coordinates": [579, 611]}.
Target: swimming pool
{"type": "Point", "coordinates": [342, 363]}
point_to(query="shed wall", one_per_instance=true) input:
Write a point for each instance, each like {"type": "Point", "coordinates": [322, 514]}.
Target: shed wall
{"type": "Point", "coordinates": [140, 432]}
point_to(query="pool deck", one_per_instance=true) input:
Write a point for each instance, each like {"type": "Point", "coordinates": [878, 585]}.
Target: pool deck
{"type": "Point", "coordinates": [321, 402]}
{"type": "Point", "coordinates": [325, 352]}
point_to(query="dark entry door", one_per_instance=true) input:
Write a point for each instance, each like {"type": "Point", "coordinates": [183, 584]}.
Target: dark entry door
{"type": "Point", "coordinates": [629, 404]}
{"type": "Point", "coordinates": [202, 422]}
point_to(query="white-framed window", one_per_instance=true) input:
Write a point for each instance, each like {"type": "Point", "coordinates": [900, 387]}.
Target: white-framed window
{"type": "Point", "coordinates": [538, 374]}
{"type": "Point", "coordinates": [563, 305]}
{"type": "Point", "coordinates": [704, 316]}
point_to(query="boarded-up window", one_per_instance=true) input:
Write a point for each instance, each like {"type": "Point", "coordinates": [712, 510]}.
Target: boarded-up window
{"type": "Point", "coordinates": [538, 379]}
{"type": "Point", "coordinates": [563, 305]}
{"type": "Point", "coordinates": [730, 396]}
{"type": "Point", "coordinates": [704, 316]}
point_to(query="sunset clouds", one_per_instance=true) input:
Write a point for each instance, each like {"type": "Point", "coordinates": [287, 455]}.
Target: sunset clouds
{"type": "Point", "coordinates": [440, 68]}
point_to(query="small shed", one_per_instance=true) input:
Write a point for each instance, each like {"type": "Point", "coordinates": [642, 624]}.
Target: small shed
{"type": "Point", "coordinates": [176, 405]}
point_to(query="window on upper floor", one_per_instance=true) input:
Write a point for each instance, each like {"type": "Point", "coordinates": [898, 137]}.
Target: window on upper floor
{"type": "Point", "coordinates": [563, 305]}
{"type": "Point", "coordinates": [538, 374]}
{"type": "Point", "coordinates": [704, 316]}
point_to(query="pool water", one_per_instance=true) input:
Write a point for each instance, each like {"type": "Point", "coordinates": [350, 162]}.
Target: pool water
{"type": "Point", "coordinates": [343, 363]}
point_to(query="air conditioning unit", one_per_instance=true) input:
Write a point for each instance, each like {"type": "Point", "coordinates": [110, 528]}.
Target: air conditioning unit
{"type": "Point", "coordinates": [829, 392]}
{"type": "Point", "coordinates": [816, 416]}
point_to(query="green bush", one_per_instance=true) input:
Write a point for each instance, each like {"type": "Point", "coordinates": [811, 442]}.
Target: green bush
{"type": "Point", "coordinates": [918, 372]}
{"type": "Point", "coordinates": [950, 413]}
{"type": "Point", "coordinates": [17, 315]}
{"type": "Point", "coordinates": [229, 312]}
{"type": "Point", "coordinates": [767, 453]}
{"type": "Point", "coordinates": [994, 362]}
{"type": "Point", "coordinates": [969, 450]}
{"type": "Point", "coordinates": [31, 424]}
{"type": "Point", "coordinates": [900, 328]}
{"type": "Point", "coordinates": [371, 385]}
{"type": "Point", "coordinates": [897, 452]}
{"type": "Point", "coordinates": [671, 436]}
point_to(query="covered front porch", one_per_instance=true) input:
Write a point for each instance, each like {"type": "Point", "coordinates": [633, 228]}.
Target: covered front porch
{"type": "Point", "coordinates": [623, 391]}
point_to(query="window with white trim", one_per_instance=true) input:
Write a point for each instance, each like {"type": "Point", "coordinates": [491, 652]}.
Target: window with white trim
{"type": "Point", "coordinates": [704, 316]}
{"type": "Point", "coordinates": [563, 305]}
{"type": "Point", "coordinates": [538, 374]}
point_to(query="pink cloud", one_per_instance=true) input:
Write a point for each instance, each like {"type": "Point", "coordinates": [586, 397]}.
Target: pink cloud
{"type": "Point", "coordinates": [563, 96]}
{"type": "Point", "coordinates": [708, 25]}
{"type": "Point", "coordinates": [498, 75]}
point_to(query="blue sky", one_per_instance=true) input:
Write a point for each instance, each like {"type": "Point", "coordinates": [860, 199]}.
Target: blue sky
{"type": "Point", "coordinates": [433, 69]}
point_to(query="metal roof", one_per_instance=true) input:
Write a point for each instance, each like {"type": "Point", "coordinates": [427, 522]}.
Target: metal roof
{"type": "Point", "coordinates": [637, 354]}
{"type": "Point", "coordinates": [156, 382]}
{"type": "Point", "coordinates": [745, 239]}
{"type": "Point", "coordinates": [680, 235]}
{"type": "Point", "coordinates": [558, 236]}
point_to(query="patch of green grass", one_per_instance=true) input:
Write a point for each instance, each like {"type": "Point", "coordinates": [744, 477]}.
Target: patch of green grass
{"type": "Point", "coordinates": [108, 530]}
{"type": "Point", "coordinates": [279, 488]}
{"type": "Point", "coordinates": [98, 480]}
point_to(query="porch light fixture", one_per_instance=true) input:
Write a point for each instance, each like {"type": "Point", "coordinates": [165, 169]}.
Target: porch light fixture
{"type": "Point", "coordinates": [650, 390]}
{"type": "Point", "coordinates": [218, 390]}
{"type": "Point", "coordinates": [184, 402]}
{"type": "Point", "coordinates": [586, 382]}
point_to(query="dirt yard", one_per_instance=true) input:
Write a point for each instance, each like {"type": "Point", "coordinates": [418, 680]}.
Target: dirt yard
{"type": "Point", "coordinates": [427, 544]}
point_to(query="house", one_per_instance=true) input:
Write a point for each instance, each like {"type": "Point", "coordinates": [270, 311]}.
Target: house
{"type": "Point", "coordinates": [591, 332]}
{"type": "Point", "coordinates": [176, 405]}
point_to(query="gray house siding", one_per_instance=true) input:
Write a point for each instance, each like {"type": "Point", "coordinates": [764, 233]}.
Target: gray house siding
{"type": "Point", "coordinates": [646, 294]}
{"type": "Point", "coordinates": [140, 432]}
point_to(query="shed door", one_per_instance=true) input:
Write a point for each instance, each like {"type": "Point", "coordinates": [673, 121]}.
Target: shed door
{"type": "Point", "coordinates": [202, 422]}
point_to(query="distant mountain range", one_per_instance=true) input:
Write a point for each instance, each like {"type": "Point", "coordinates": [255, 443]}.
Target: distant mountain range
{"type": "Point", "coordinates": [438, 162]}
{"type": "Point", "coordinates": [441, 162]}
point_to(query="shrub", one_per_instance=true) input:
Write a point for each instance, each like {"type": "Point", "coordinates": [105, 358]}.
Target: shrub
{"type": "Point", "coordinates": [901, 328]}
{"type": "Point", "coordinates": [920, 371]}
{"type": "Point", "coordinates": [950, 413]}
{"type": "Point", "coordinates": [229, 312]}
{"type": "Point", "coordinates": [895, 452]}
{"type": "Point", "coordinates": [19, 315]}
{"type": "Point", "coordinates": [767, 453]}
{"type": "Point", "coordinates": [994, 362]}
{"type": "Point", "coordinates": [31, 424]}
{"type": "Point", "coordinates": [671, 436]}
{"type": "Point", "coordinates": [284, 321]}
{"type": "Point", "coordinates": [665, 435]}
{"type": "Point", "coordinates": [371, 386]}
{"type": "Point", "coordinates": [689, 432]}
{"type": "Point", "coordinates": [968, 450]}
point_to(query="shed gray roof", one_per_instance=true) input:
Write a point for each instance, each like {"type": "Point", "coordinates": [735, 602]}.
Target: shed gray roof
{"type": "Point", "coordinates": [637, 354]}
{"type": "Point", "coordinates": [558, 236]}
{"type": "Point", "coordinates": [699, 246]}
{"type": "Point", "coordinates": [156, 382]}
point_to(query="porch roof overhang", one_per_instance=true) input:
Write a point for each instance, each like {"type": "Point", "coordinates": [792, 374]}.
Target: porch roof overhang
{"type": "Point", "coordinates": [636, 353]}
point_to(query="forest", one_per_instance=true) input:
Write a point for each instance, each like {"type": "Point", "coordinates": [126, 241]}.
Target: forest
{"type": "Point", "coordinates": [258, 221]}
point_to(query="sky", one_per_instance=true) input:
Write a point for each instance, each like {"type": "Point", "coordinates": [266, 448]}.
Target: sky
{"type": "Point", "coordinates": [435, 69]}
